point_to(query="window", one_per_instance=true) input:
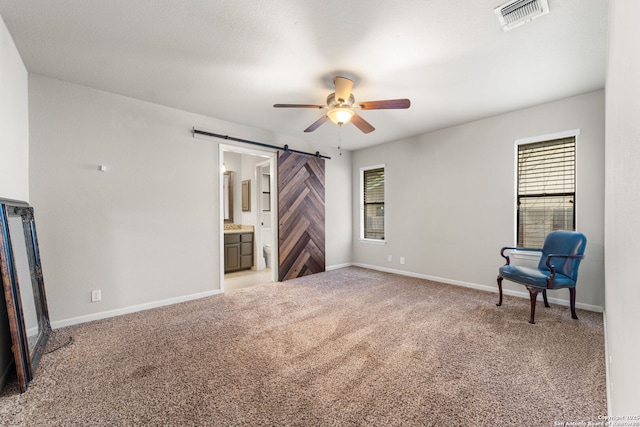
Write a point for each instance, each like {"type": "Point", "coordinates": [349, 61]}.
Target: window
{"type": "Point", "coordinates": [372, 211]}
{"type": "Point", "coordinates": [546, 189]}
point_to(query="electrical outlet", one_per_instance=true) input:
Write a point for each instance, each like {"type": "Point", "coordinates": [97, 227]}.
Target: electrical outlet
{"type": "Point", "coordinates": [389, 258]}
{"type": "Point", "coordinates": [402, 260]}
{"type": "Point", "coordinates": [96, 295]}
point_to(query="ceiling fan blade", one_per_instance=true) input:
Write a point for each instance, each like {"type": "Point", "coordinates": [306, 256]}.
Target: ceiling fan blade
{"type": "Point", "coordinates": [343, 88]}
{"type": "Point", "coordinates": [317, 123]}
{"type": "Point", "coordinates": [298, 106]}
{"type": "Point", "coordinates": [389, 104]}
{"type": "Point", "coordinates": [362, 124]}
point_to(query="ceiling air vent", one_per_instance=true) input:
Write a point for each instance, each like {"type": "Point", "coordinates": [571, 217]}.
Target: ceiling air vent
{"type": "Point", "coordinates": [518, 12]}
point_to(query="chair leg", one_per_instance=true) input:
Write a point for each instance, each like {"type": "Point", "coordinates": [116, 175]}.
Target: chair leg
{"type": "Point", "coordinates": [572, 299]}
{"type": "Point", "coordinates": [544, 296]}
{"type": "Point", "coordinates": [499, 291]}
{"type": "Point", "coordinates": [533, 294]}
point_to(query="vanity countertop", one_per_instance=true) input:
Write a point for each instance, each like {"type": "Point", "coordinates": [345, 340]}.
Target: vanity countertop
{"type": "Point", "coordinates": [237, 228]}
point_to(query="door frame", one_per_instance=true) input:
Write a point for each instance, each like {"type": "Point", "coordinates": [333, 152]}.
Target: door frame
{"type": "Point", "coordinates": [271, 157]}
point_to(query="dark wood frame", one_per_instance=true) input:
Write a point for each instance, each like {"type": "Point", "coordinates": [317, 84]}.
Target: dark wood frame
{"type": "Point", "coordinates": [246, 195]}
{"type": "Point", "coordinates": [26, 358]}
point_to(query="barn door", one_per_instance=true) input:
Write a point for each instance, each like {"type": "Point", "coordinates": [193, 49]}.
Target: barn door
{"type": "Point", "coordinates": [300, 215]}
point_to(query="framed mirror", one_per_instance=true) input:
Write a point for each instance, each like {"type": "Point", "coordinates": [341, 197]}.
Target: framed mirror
{"type": "Point", "coordinates": [23, 287]}
{"type": "Point", "coordinates": [227, 189]}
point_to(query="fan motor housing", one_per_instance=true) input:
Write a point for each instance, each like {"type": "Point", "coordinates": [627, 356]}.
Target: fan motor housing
{"type": "Point", "coordinates": [331, 101]}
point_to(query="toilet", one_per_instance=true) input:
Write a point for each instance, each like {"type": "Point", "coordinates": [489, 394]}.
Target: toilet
{"type": "Point", "coordinates": [266, 251]}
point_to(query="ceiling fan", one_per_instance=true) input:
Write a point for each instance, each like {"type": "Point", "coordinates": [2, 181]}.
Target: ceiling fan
{"type": "Point", "coordinates": [342, 107]}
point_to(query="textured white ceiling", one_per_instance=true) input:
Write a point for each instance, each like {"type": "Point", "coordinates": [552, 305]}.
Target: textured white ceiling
{"type": "Point", "coordinates": [234, 59]}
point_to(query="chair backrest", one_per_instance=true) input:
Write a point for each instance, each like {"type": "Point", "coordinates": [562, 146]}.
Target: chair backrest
{"type": "Point", "coordinates": [565, 243]}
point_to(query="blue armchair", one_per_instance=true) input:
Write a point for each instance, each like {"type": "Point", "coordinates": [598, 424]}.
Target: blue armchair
{"type": "Point", "coordinates": [558, 268]}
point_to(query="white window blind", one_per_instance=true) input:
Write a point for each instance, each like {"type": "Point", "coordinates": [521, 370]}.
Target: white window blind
{"type": "Point", "coordinates": [546, 189]}
{"type": "Point", "coordinates": [373, 197]}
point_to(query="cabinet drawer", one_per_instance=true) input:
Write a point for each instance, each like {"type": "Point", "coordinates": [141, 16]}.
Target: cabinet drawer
{"type": "Point", "coordinates": [231, 238]}
{"type": "Point", "coordinates": [248, 237]}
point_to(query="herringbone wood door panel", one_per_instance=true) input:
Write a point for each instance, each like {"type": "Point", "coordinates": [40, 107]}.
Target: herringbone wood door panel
{"type": "Point", "coordinates": [300, 215]}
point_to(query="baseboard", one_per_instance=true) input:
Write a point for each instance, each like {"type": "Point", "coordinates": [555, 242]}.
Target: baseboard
{"type": "Point", "coordinates": [146, 306]}
{"type": "Point", "coordinates": [494, 289]}
{"type": "Point", "coordinates": [131, 309]}
{"type": "Point", "coordinates": [154, 304]}
{"type": "Point", "coordinates": [338, 266]}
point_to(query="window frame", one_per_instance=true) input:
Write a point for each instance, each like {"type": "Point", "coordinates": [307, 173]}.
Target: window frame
{"type": "Point", "coordinates": [363, 239]}
{"type": "Point", "coordinates": [542, 138]}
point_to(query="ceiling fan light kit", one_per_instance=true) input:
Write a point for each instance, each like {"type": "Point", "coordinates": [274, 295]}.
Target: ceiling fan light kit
{"type": "Point", "coordinates": [342, 107]}
{"type": "Point", "coordinates": [340, 116]}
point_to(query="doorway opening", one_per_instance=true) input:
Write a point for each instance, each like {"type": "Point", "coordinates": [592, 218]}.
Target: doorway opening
{"type": "Point", "coordinates": [248, 242]}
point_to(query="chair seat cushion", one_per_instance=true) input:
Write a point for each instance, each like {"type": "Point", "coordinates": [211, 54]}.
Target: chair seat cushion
{"type": "Point", "coordinates": [532, 276]}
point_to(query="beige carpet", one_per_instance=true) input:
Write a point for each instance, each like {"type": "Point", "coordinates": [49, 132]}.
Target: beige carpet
{"type": "Point", "coordinates": [347, 347]}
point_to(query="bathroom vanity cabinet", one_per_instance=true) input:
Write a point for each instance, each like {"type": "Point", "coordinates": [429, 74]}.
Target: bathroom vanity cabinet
{"type": "Point", "coordinates": [238, 251]}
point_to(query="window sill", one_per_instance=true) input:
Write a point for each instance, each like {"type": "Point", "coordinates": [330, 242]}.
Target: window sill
{"type": "Point", "coordinates": [373, 241]}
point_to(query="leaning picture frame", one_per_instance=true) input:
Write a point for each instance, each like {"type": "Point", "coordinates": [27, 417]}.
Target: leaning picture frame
{"type": "Point", "coordinates": [246, 195]}
{"type": "Point", "coordinates": [23, 285]}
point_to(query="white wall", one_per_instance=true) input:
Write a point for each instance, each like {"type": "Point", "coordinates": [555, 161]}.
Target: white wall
{"type": "Point", "coordinates": [339, 227]}
{"type": "Point", "coordinates": [14, 157]}
{"type": "Point", "coordinates": [622, 206]}
{"type": "Point", "coordinates": [147, 229]}
{"type": "Point", "coordinates": [14, 121]}
{"type": "Point", "coordinates": [450, 196]}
